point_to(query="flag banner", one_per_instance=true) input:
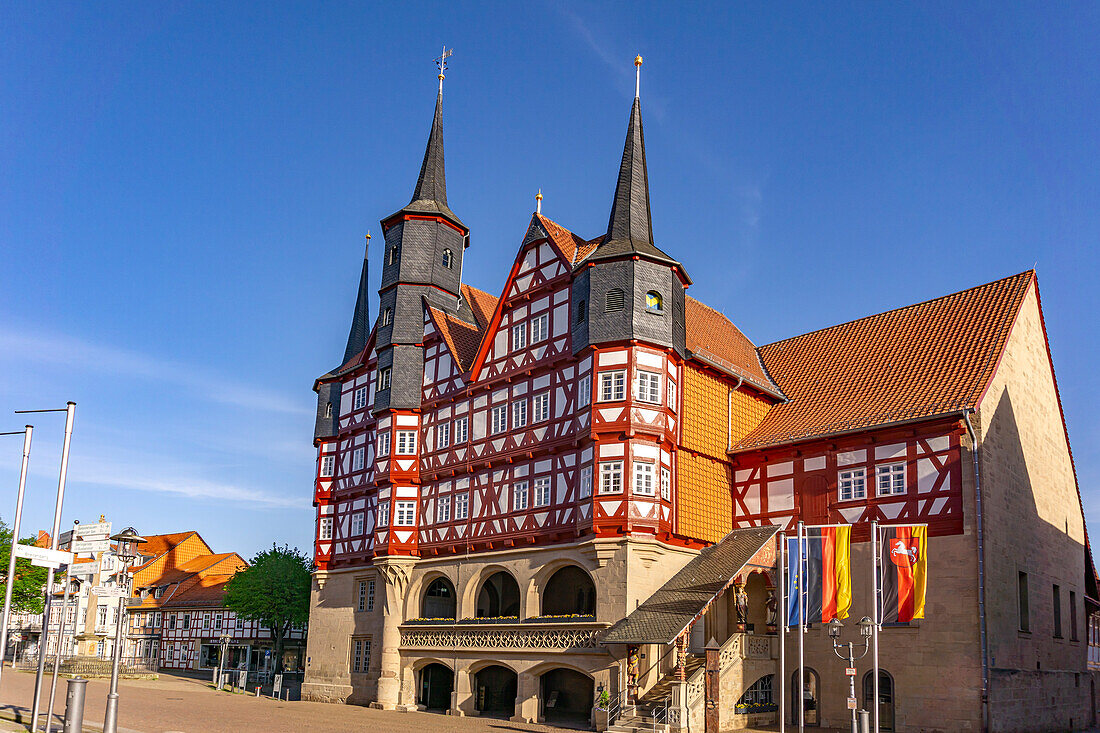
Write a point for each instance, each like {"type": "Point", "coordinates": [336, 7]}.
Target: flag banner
{"type": "Point", "coordinates": [904, 572]}
{"type": "Point", "coordinates": [825, 579]}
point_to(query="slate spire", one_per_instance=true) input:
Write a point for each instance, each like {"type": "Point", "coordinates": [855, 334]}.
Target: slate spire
{"type": "Point", "coordinates": [630, 227]}
{"type": "Point", "coordinates": [430, 194]}
{"type": "Point", "coordinates": [360, 321]}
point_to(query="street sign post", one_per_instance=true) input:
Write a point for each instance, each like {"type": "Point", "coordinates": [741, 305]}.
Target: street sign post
{"type": "Point", "coordinates": [84, 568]}
{"type": "Point", "coordinates": [92, 531]}
{"type": "Point", "coordinates": [105, 592]}
{"type": "Point", "coordinates": [93, 546]}
{"type": "Point", "coordinates": [44, 556]}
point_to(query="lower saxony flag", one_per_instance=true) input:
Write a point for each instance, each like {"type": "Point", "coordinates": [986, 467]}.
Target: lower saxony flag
{"type": "Point", "coordinates": [904, 571]}
{"type": "Point", "coordinates": [825, 580]}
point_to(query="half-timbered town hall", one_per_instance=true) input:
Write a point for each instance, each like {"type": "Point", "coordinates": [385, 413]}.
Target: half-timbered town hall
{"type": "Point", "coordinates": [573, 484]}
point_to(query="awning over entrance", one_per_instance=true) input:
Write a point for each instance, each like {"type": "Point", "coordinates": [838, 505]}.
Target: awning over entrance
{"type": "Point", "coordinates": [666, 614]}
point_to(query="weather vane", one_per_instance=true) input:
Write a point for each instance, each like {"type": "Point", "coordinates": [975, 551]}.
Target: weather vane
{"type": "Point", "coordinates": [441, 64]}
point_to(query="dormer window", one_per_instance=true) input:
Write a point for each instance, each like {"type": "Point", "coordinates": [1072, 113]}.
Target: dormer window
{"type": "Point", "coordinates": [615, 300]}
{"type": "Point", "coordinates": [448, 259]}
{"type": "Point", "coordinates": [387, 316]}
{"type": "Point", "coordinates": [393, 254]}
{"type": "Point", "coordinates": [654, 302]}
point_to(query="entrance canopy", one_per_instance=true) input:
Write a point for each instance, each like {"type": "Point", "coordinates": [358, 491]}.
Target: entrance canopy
{"type": "Point", "coordinates": [669, 612]}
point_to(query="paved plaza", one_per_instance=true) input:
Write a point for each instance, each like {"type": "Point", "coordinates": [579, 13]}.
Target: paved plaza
{"type": "Point", "coordinates": [183, 705]}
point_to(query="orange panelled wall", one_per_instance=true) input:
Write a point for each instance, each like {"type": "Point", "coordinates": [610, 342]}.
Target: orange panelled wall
{"type": "Point", "coordinates": [705, 421]}
{"type": "Point", "coordinates": [747, 412]}
{"type": "Point", "coordinates": [705, 505]}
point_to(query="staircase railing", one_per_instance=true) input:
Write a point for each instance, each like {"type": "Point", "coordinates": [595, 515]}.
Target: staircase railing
{"type": "Point", "coordinates": [659, 714]}
{"type": "Point", "coordinates": [615, 707]}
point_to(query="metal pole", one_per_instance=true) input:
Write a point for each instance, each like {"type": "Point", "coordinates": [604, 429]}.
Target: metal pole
{"type": "Point", "coordinates": [27, 431]}
{"type": "Point", "coordinates": [782, 616]}
{"type": "Point", "coordinates": [801, 632]}
{"type": "Point", "coordinates": [70, 413]}
{"type": "Point", "coordinates": [875, 609]}
{"type": "Point", "coordinates": [57, 655]}
{"type": "Point", "coordinates": [851, 683]}
{"type": "Point", "coordinates": [110, 716]}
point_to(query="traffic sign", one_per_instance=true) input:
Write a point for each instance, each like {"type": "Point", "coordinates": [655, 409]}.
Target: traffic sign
{"type": "Point", "coordinates": [43, 556]}
{"type": "Point", "coordinates": [91, 531]}
{"type": "Point", "coordinates": [97, 545]}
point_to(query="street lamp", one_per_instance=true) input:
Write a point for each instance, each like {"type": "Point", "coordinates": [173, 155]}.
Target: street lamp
{"type": "Point", "coordinates": [126, 549]}
{"type": "Point", "coordinates": [223, 642]}
{"type": "Point", "coordinates": [866, 626]}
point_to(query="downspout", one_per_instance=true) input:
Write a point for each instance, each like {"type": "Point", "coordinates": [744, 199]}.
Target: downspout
{"type": "Point", "coordinates": [981, 570]}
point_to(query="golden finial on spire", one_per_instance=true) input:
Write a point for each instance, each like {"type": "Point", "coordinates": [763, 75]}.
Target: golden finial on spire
{"type": "Point", "coordinates": [441, 64]}
{"type": "Point", "coordinates": [366, 248]}
{"type": "Point", "coordinates": [637, 75]}
{"type": "Point", "coordinates": [538, 202]}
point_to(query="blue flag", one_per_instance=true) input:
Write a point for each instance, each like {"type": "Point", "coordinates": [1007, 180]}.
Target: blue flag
{"type": "Point", "coordinates": [793, 585]}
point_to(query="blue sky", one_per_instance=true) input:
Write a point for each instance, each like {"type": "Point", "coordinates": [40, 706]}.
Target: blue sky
{"type": "Point", "coordinates": [186, 186]}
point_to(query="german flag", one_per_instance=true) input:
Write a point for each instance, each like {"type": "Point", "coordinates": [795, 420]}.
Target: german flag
{"type": "Point", "coordinates": [904, 572]}
{"type": "Point", "coordinates": [827, 579]}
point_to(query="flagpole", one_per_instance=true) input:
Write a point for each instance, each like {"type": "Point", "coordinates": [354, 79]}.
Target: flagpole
{"type": "Point", "coordinates": [782, 618]}
{"type": "Point", "coordinates": [801, 633]}
{"type": "Point", "coordinates": [878, 615]}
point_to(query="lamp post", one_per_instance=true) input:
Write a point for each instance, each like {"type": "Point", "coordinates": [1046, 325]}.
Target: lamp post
{"type": "Point", "coordinates": [26, 432]}
{"type": "Point", "coordinates": [127, 542]}
{"type": "Point", "coordinates": [223, 642]}
{"type": "Point", "coordinates": [866, 625]}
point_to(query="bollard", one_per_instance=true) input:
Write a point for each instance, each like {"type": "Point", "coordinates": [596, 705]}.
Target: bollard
{"type": "Point", "coordinates": [864, 721]}
{"type": "Point", "coordinates": [257, 692]}
{"type": "Point", "coordinates": [74, 705]}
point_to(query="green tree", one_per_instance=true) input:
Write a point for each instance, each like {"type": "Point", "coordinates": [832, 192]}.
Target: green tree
{"type": "Point", "coordinates": [274, 591]}
{"type": "Point", "coordinates": [30, 580]}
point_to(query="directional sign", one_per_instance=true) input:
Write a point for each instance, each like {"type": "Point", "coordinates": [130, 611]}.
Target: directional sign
{"type": "Point", "coordinates": [105, 592]}
{"type": "Point", "coordinates": [65, 538]}
{"type": "Point", "coordinates": [91, 531]}
{"type": "Point", "coordinates": [41, 555]}
{"type": "Point", "coordinates": [90, 545]}
{"type": "Point", "coordinates": [84, 568]}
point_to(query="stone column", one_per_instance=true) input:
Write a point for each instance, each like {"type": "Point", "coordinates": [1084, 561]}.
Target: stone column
{"type": "Point", "coordinates": [462, 697]}
{"type": "Point", "coordinates": [395, 571]}
{"type": "Point", "coordinates": [527, 699]}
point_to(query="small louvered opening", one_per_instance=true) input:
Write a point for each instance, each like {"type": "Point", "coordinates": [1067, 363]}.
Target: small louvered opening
{"type": "Point", "coordinates": [615, 300]}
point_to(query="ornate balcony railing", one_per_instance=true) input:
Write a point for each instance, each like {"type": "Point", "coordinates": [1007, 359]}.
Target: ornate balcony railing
{"type": "Point", "coordinates": [584, 636]}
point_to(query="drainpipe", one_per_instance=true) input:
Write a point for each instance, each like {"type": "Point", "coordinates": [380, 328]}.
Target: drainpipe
{"type": "Point", "coordinates": [981, 571]}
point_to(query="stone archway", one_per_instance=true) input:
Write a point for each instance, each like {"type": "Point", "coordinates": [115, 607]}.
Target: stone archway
{"type": "Point", "coordinates": [494, 691]}
{"type": "Point", "coordinates": [435, 683]}
{"type": "Point", "coordinates": [569, 590]}
{"type": "Point", "coordinates": [439, 600]}
{"type": "Point", "coordinates": [498, 596]}
{"type": "Point", "coordinates": [566, 696]}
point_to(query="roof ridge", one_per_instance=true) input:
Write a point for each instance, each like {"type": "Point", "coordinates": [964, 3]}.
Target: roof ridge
{"type": "Point", "coordinates": [1030, 272]}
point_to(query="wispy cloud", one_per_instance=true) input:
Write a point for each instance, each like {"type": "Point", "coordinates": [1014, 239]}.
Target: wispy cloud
{"type": "Point", "coordinates": [82, 356]}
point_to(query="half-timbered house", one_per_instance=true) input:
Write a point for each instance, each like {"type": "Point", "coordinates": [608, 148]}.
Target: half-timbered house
{"type": "Point", "coordinates": [570, 487]}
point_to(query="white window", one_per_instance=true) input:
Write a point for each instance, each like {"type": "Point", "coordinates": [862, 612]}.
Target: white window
{"type": "Point", "coordinates": [443, 509]}
{"type": "Point", "coordinates": [384, 444]}
{"type": "Point", "coordinates": [519, 337]}
{"type": "Point", "coordinates": [643, 478]}
{"type": "Point", "coordinates": [326, 528]}
{"type": "Point", "coordinates": [406, 442]}
{"type": "Point", "coordinates": [542, 491]}
{"type": "Point", "coordinates": [519, 413]}
{"type": "Point", "coordinates": [328, 465]}
{"type": "Point", "coordinates": [500, 419]}
{"type": "Point", "coordinates": [539, 328]}
{"type": "Point", "coordinates": [462, 506]}
{"type": "Point", "coordinates": [613, 386]}
{"type": "Point", "coordinates": [666, 484]}
{"type": "Point", "coordinates": [584, 391]}
{"type": "Point", "coordinates": [853, 484]}
{"type": "Point", "coordinates": [611, 477]}
{"type": "Point", "coordinates": [358, 458]}
{"type": "Point", "coordinates": [384, 379]}
{"type": "Point", "coordinates": [442, 435]}
{"type": "Point", "coordinates": [360, 398]}
{"type": "Point", "coordinates": [357, 524]}
{"type": "Point", "coordinates": [404, 513]}
{"type": "Point", "coordinates": [519, 496]}
{"type": "Point", "coordinates": [585, 489]}
{"type": "Point", "coordinates": [384, 513]}
{"type": "Point", "coordinates": [542, 407]}
{"type": "Point", "coordinates": [462, 430]}
{"type": "Point", "coordinates": [647, 387]}
{"type": "Point", "coordinates": [890, 479]}
{"type": "Point", "coordinates": [671, 395]}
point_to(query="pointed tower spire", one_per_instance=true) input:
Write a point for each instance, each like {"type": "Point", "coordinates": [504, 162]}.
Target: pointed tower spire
{"type": "Point", "coordinates": [630, 228]}
{"type": "Point", "coordinates": [360, 321]}
{"type": "Point", "coordinates": [430, 194]}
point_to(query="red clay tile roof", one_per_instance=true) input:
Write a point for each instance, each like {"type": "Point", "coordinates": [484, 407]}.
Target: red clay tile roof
{"type": "Point", "coordinates": [209, 591]}
{"type": "Point", "coordinates": [714, 338]}
{"type": "Point", "coordinates": [192, 566]}
{"type": "Point", "coordinates": [928, 359]}
{"type": "Point", "coordinates": [462, 338]}
{"type": "Point", "coordinates": [565, 241]}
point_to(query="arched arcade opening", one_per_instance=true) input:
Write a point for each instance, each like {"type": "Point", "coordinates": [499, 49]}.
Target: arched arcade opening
{"type": "Point", "coordinates": [436, 683]}
{"type": "Point", "coordinates": [495, 691]}
{"type": "Point", "coordinates": [498, 596]}
{"type": "Point", "coordinates": [566, 696]}
{"type": "Point", "coordinates": [570, 590]}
